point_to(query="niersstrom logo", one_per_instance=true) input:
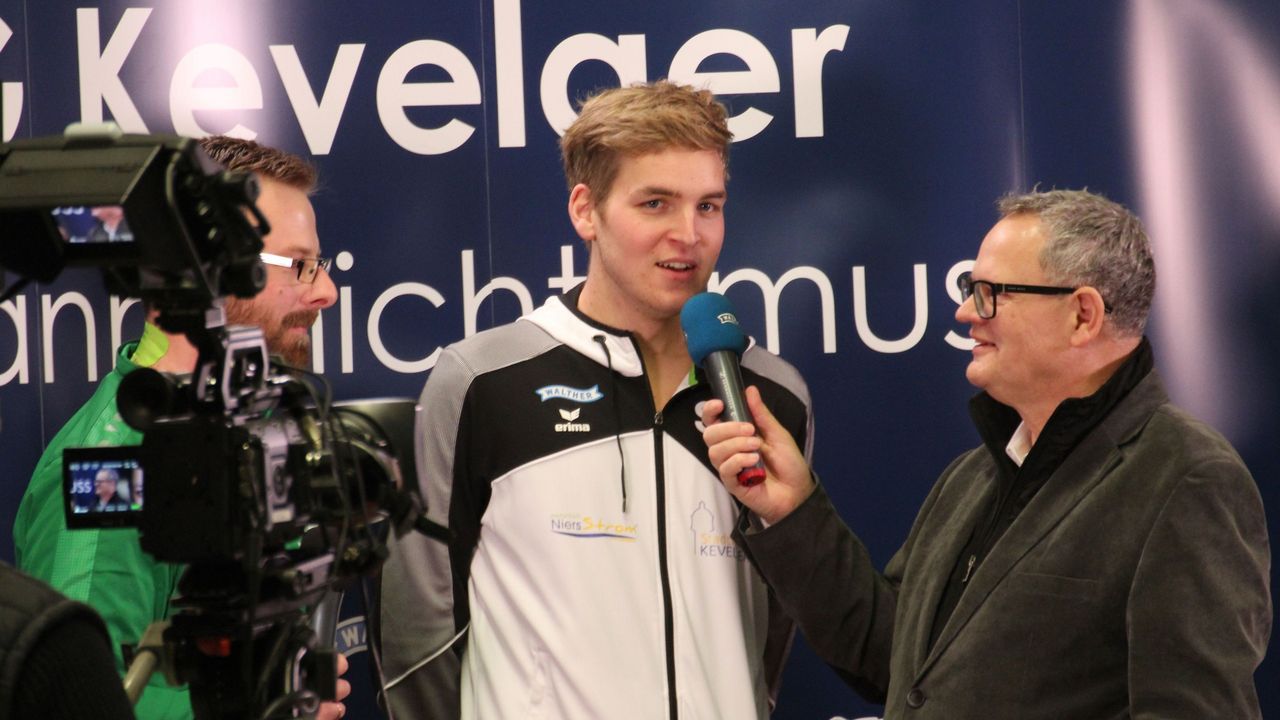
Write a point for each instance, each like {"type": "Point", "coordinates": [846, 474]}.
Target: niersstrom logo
{"type": "Point", "coordinates": [589, 527]}
{"type": "Point", "coordinates": [569, 426]}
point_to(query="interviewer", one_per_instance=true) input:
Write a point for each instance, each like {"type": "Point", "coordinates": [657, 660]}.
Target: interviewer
{"type": "Point", "coordinates": [1102, 555]}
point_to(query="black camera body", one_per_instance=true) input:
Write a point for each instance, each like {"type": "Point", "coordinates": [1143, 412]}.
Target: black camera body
{"type": "Point", "coordinates": [246, 473]}
{"type": "Point", "coordinates": [215, 479]}
{"type": "Point", "coordinates": [230, 484]}
{"type": "Point", "coordinates": [193, 230]}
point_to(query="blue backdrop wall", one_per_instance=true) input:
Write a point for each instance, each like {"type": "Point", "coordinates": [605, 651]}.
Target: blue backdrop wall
{"type": "Point", "coordinates": [872, 139]}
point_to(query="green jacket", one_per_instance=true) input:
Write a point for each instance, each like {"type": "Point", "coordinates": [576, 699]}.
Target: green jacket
{"type": "Point", "coordinates": [105, 569]}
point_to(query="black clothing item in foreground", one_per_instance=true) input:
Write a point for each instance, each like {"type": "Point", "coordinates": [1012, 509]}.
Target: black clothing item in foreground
{"type": "Point", "coordinates": [55, 656]}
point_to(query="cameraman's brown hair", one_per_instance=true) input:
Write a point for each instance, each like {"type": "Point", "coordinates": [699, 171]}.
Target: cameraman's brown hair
{"type": "Point", "coordinates": [267, 162]}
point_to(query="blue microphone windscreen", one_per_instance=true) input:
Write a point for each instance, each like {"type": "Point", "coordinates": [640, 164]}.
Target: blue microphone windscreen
{"type": "Point", "coordinates": [710, 324]}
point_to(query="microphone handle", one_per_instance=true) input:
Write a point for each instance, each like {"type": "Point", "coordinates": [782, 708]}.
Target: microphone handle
{"type": "Point", "coordinates": [725, 376]}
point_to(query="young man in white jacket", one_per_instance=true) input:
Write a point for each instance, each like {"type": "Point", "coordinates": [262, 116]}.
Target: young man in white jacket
{"type": "Point", "coordinates": [591, 565]}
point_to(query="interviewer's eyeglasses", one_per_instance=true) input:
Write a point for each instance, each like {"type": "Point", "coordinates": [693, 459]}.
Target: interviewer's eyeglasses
{"type": "Point", "coordinates": [308, 268]}
{"type": "Point", "coordinates": [984, 292]}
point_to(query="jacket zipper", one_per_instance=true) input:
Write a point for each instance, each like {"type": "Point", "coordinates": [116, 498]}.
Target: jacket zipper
{"type": "Point", "coordinates": [668, 616]}
{"type": "Point", "coordinates": [988, 536]}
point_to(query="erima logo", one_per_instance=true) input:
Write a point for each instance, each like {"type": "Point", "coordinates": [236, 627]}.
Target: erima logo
{"type": "Point", "coordinates": [727, 319]}
{"type": "Point", "coordinates": [569, 425]}
{"type": "Point", "coordinates": [11, 104]}
{"type": "Point", "coordinates": [564, 392]}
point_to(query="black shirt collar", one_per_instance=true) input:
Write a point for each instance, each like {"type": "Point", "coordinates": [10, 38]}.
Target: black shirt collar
{"type": "Point", "coordinates": [1070, 422]}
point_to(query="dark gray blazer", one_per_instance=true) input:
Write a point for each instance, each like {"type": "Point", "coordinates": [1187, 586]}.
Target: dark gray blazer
{"type": "Point", "coordinates": [1134, 585]}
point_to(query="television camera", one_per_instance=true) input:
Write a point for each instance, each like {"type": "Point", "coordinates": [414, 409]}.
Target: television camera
{"type": "Point", "coordinates": [247, 474]}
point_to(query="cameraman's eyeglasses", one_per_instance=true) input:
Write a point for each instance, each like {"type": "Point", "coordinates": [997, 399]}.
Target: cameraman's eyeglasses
{"type": "Point", "coordinates": [984, 292]}
{"type": "Point", "coordinates": [308, 268]}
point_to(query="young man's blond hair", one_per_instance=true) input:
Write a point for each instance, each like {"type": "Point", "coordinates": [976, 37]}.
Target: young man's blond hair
{"type": "Point", "coordinates": [637, 120]}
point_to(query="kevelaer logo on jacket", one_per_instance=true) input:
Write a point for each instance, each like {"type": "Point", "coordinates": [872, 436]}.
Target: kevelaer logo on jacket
{"type": "Point", "coordinates": [706, 541]}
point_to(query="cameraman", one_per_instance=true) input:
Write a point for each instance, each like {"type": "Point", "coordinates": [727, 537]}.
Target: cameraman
{"type": "Point", "coordinates": [107, 569]}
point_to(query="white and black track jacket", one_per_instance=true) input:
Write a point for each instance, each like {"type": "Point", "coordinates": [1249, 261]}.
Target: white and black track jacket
{"type": "Point", "coordinates": [528, 435]}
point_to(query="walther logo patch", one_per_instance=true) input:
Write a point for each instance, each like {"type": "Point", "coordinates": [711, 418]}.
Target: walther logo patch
{"type": "Point", "coordinates": [564, 392]}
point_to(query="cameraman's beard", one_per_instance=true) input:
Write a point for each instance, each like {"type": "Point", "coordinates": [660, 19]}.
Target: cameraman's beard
{"type": "Point", "coordinates": [294, 347]}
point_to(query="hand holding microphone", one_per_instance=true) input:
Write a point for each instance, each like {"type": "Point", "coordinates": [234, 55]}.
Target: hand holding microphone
{"type": "Point", "coordinates": [716, 342]}
{"type": "Point", "coordinates": [772, 474]}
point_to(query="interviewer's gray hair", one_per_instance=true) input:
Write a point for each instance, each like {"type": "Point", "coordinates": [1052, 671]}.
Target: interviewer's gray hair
{"type": "Point", "coordinates": [1090, 240]}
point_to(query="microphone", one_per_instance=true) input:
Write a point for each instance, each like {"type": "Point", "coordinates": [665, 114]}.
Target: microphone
{"type": "Point", "coordinates": [716, 342]}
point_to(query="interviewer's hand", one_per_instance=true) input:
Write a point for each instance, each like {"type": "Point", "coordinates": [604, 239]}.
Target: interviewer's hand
{"type": "Point", "coordinates": [335, 710]}
{"type": "Point", "coordinates": [733, 446]}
